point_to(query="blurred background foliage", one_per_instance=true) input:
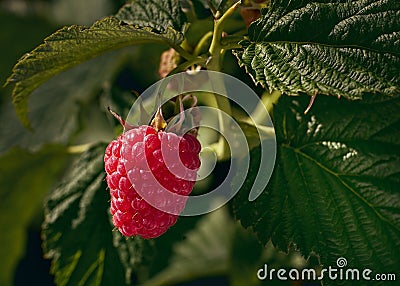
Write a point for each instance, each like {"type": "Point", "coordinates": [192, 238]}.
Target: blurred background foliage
{"type": "Point", "coordinates": [33, 162]}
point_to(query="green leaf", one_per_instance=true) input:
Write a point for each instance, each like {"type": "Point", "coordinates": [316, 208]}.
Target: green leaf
{"type": "Point", "coordinates": [56, 106]}
{"type": "Point", "coordinates": [163, 246]}
{"type": "Point", "coordinates": [205, 252]}
{"type": "Point", "coordinates": [134, 254]}
{"type": "Point", "coordinates": [156, 14]}
{"type": "Point", "coordinates": [246, 258]}
{"type": "Point", "coordinates": [214, 246]}
{"type": "Point", "coordinates": [25, 180]}
{"type": "Point", "coordinates": [335, 188]}
{"type": "Point", "coordinates": [339, 48]}
{"type": "Point", "coordinates": [34, 29]}
{"type": "Point", "coordinates": [72, 45]}
{"type": "Point", "coordinates": [77, 231]}
{"type": "Point", "coordinates": [221, 5]}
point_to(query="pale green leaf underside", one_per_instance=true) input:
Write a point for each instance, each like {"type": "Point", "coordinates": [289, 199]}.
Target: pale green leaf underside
{"type": "Point", "coordinates": [339, 48]}
{"type": "Point", "coordinates": [72, 45]}
{"type": "Point", "coordinates": [335, 188]}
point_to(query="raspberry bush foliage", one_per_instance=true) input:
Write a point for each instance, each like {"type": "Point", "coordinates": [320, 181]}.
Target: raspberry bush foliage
{"type": "Point", "coordinates": [327, 71]}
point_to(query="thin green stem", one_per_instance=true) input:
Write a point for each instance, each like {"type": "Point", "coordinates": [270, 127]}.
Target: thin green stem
{"type": "Point", "coordinates": [185, 65]}
{"type": "Point", "coordinates": [216, 52]}
{"type": "Point", "coordinates": [215, 46]}
{"type": "Point", "coordinates": [202, 43]}
{"type": "Point", "coordinates": [183, 53]}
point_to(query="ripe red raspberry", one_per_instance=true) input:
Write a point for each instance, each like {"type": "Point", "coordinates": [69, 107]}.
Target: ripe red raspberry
{"type": "Point", "coordinates": [158, 165]}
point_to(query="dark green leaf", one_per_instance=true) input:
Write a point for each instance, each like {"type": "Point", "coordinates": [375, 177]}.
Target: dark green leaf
{"type": "Point", "coordinates": [56, 105]}
{"type": "Point", "coordinates": [196, 9]}
{"type": "Point", "coordinates": [221, 5]}
{"type": "Point", "coordinates": [246, 258]}
{"type": "Point", "coordinates": [340, 48]}
{"type": "Point", "coordinates": [211, 5]}
{"type": "Point", "coordinates": [134, 253]}
{"type": "Point", "coordinates": [205, 252]}
{"type": "Point", "coordinates": [25, 180]}
{"type": "Point", "coordinates": [335, 188]}
{"type": "Point", "coordinates": [77, 230]}
{"type": "Point", "coordinates": [72, 45]}
{"type": "Point", "coordinates": [159, 15]}
{"type": "Point", "coordinates": [163, 246]}
{"type": "Point", "coordinates": [33, 28]}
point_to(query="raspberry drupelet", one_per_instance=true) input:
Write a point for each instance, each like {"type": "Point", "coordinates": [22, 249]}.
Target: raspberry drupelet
{"type": "Point", "coordinates": [155, 163]}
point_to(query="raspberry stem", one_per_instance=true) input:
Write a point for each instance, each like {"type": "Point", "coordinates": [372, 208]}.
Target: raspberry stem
{"type": "Point", "coordinates": [217, 51]}
{"type": "Point", "coordinates": [215, 47]}
{"type": "Point", "coordinates": [183, 53]}
{"type": "Point", "coordinates": [201, 44]}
